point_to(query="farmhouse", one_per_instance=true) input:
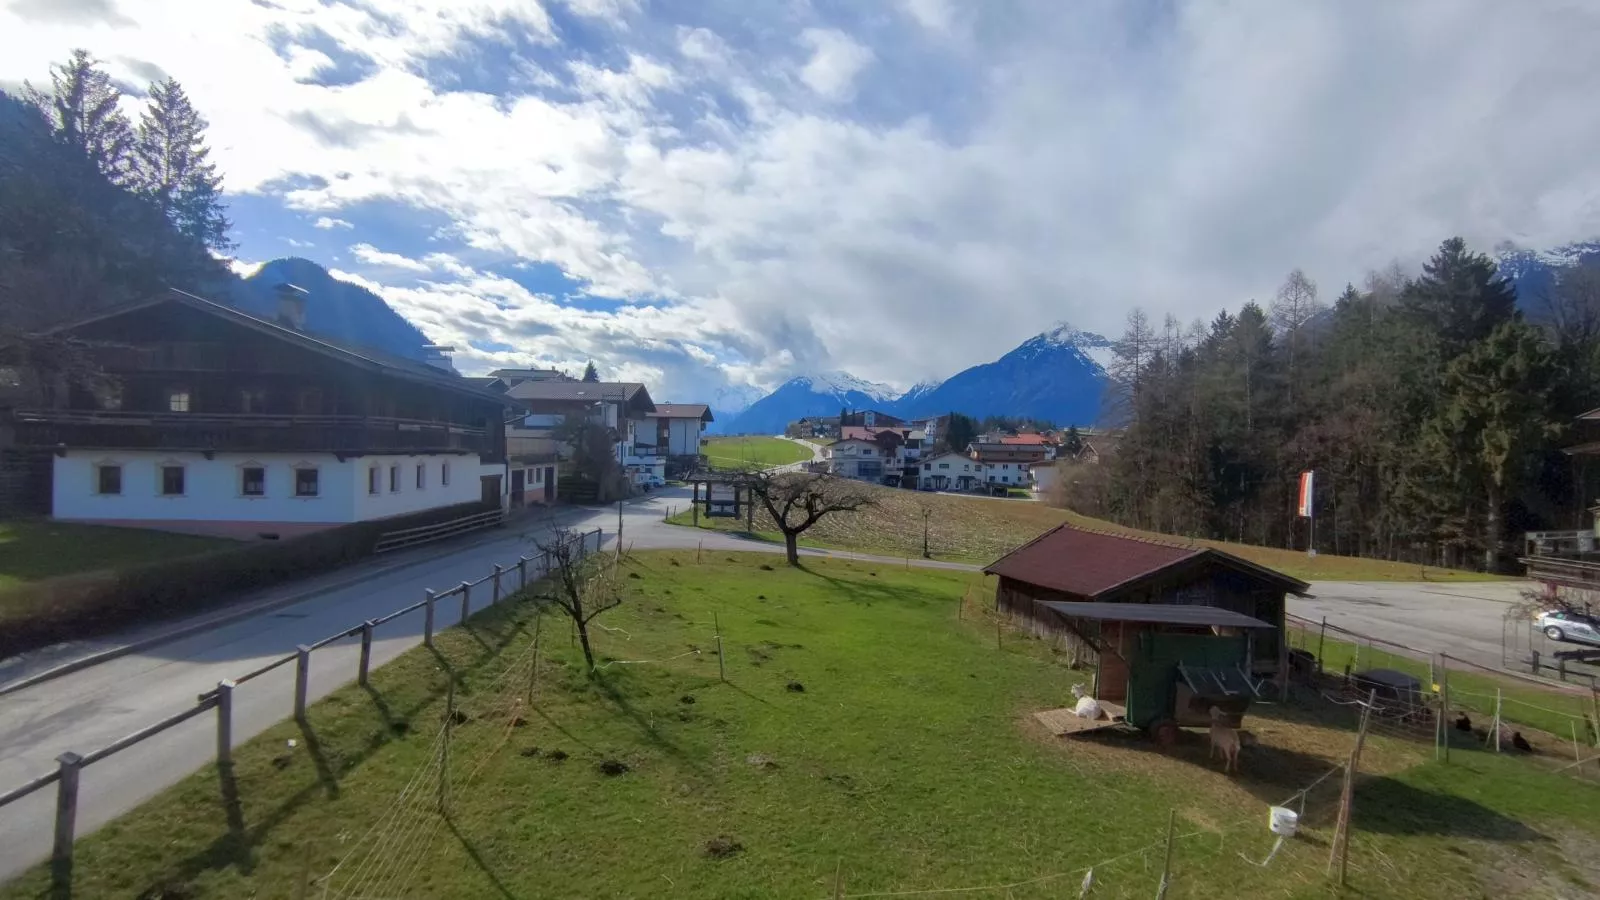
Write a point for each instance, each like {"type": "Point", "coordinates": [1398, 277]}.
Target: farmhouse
{"type": "Point", "coordinates": [218, 422]}
{"type": "Point", "coordinates": [1040, 582]}
{"type": "Point", "coordinates": [950, 472]}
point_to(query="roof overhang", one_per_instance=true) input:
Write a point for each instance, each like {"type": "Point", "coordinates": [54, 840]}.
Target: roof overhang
{"type": "Point", "coordinates": [1157, 613]}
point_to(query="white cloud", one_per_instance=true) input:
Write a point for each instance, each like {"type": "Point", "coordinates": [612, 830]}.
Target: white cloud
{"type": "Point", "coordinates": [836, 60]}
{"type": "Point", "coordinates": [883, 205]}
{"type": "Point", "coordinates": [372, 256]}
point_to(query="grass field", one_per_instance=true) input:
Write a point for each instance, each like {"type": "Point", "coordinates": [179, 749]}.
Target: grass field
{"type": "Point", "coordinates": [33, 550]}
{"type": "Point", "coordinates": [980, 530]}
{"type": "Point", "coordinates": [733, 453]}
{"type": "Point", "coordinates": [864, 735]}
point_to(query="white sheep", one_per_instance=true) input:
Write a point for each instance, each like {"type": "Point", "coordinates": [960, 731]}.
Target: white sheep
{"type": "Point", "coordinates": [1088, 707]}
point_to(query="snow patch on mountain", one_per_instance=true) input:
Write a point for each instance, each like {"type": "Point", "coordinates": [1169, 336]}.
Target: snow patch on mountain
{"type": "Point", "coordinates": [842, 383]}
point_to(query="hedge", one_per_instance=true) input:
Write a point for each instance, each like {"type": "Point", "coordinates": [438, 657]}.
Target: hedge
{"type": "Point", "coordinates": [87, 604]}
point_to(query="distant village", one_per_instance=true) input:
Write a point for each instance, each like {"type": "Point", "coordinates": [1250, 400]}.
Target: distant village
{"type": "Point", "coordinates": [924, 454]}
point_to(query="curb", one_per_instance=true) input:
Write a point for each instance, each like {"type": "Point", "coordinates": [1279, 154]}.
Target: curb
{"type": "Point", "coordinates": [227, 618]}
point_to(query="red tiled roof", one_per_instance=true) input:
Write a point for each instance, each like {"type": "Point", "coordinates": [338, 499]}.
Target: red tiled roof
{"type": "Point", "coordinates": [1091, 563]}
{"type": "Point", "coordinates": [1025, 439]}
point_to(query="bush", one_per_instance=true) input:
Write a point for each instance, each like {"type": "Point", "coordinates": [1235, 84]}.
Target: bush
{"type": "Point", "coordinates": [90, 603]}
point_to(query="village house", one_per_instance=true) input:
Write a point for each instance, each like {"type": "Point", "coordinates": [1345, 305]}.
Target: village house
{"type": "Point", "coordinates": [869, 418]}
{"type": "Point", "coordinates": [679, 430]}
{"type": "Point", "coordinates": [809, 427]}
{"type": "Point", "coordinates": [214, 421]}
{"type": "Point", "coordinates": [950, 471]}
{"type": "Point", "coordinates": [861, 460]}
{"type": "Point", "coordinates": [622, 407]}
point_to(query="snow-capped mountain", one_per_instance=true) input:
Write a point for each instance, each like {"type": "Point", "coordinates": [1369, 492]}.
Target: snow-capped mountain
{"type": "Point", "coordinates": [1055, 375]}
{"type": "Point", "coordinates": [823, 394]}
{"type": "Point", "coordinates": [1533, 272]}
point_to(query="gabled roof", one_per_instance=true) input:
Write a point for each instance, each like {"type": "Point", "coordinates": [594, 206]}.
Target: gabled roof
{"type": "Point", "coordinates": [1026, 439]}
{"type": "Point", "coordinates": [1163, 613]}
{"type": "Point", "coordinates": [683, 411]}
{"type": "Point", "coordinates": [1098, 565]}
{"type": "Point", "coordinates": [369, 358]}
{"type": "Point", "coordinates": [630, 392]}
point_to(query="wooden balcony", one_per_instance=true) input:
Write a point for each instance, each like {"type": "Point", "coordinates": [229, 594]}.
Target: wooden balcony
{"type": "Point", "coordinates": [246, 433]}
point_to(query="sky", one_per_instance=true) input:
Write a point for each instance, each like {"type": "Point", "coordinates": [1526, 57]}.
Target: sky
{"type": "Point", "coordinates": [714, 195]}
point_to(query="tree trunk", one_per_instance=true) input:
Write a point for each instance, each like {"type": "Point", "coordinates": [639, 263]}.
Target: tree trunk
{"type": "Point", "coordinates": [583, 639]}
{"type": "Point", "coordinates": [1491, 529]}
{"type": "Point", "coordinates": [791, 547]}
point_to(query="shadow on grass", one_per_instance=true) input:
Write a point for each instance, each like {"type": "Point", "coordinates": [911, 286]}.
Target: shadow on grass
{"type": "Point", "coordinates": [477, 859]}
{"type": "Point", "coordinates": [647, 728]}
{"type": "Point", "coordinates": [1389, 806]}
{"type": "Point", "coordinates": [237, 845]}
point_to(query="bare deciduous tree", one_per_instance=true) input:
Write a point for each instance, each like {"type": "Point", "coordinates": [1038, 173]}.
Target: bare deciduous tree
{"type": "Point", "coordinates": [798, 500]}
{"type": "Point", "coordinates": [577, 585]}
{"type": "Point", "coordinates": [1294, 307]}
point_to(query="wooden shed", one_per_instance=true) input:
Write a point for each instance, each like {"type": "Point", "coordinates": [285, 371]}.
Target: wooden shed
{"type": "Point", "coordinates": [1066, 565]}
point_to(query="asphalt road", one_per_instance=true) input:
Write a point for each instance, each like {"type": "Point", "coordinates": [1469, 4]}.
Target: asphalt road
{"type": "Point", "coordinates": [88, 709]}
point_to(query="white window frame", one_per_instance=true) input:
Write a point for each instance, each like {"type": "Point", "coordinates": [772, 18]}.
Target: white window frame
{"type": "Point", "coordinates": [161, 478]}
{"type": "Point", "coordinates": [444, 473]}
{"type": "Point", "coordinates": [122, 478]}
{"type": "Point", "coordinates": [180, 400]}
{"type": "Point", "coordinates": [394, 478]}
{"type": "Point", "coordinates": [297, 468]}
{"type": "Point", "coordinates": [422, 476]}
{"type": "Point", "coordinates": [374, 480]}
{"type": "Point", "coordinates": [239, 472]}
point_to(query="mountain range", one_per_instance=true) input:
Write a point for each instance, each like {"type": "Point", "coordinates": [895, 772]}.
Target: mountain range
{"type": "Point", "coordinates": [1057, 375]}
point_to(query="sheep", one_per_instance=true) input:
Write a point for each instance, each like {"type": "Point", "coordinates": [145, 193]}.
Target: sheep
{"type": "Point", "coordinates": [1088, 707]}
{"type": "Point", "coordinates": [1225, 738]}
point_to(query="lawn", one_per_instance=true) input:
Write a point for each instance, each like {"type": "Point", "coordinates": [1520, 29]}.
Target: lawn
{"type": "Point", "coordinates": [981, 530]}
{"type": "Point", "coordinates": [35, 549]}
{"type": "Point", "coordinates": [864, 735]}
{"type": "Point", "coordinates": [739, 453]}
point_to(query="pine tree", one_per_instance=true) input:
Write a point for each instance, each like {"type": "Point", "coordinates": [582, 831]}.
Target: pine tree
{"type": "Point", "coordinates": [171, 167]}
{"type": "Point", "coordinates": [83, 109]}
{"type": "Point", "coordinates": [1460, 297]}
{"type": "Point", "coordinates": [591, 374]}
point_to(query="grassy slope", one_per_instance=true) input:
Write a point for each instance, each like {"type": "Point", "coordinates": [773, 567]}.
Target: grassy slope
{"type": "Point", "coordinates": [977, 529]}
{"type": "Point", "coordinates": [909, 762]}
{"type": "Point", "coordinates": [32, 550]}
{"type": "Point", "coordinates": [752, 452]}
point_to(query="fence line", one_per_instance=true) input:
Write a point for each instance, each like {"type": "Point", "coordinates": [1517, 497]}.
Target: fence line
{"type": "Point", "coordinates": [69, 764]}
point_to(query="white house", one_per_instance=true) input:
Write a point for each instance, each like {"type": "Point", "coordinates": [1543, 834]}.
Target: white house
{"type": "Point", "coordinates": [950, 472]}
{"type": "Point", "coordinates": [623, 407]}
{"type": "Point", "coordinates": [679, 427]}
{"type": "Point", "coordinates": [218, 422]}
{"type": "Point", "coordinates": [860, 460]}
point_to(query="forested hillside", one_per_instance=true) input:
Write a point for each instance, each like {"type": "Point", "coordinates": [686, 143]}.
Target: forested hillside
{"type": "Point", "coordinates": [1430, 409]}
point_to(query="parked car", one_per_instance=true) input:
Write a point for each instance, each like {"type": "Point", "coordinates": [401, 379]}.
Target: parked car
{"type": "Point", "coordinates": [1572, 627]}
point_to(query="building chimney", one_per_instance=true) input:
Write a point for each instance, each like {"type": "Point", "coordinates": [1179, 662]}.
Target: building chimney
{"type": "Point", "coordinates": [438, 356]}
{"type": "Point", "coordinates": [292, 306]}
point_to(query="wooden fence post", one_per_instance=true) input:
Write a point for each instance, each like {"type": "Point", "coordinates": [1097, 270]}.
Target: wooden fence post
{"type": "Point", "coordinates": [366, 653]}
{"type": "Point", "coordinates": [444, 750]}
{"type": "Point", "coordinates": [70, 764]}
{"type": "Point", "coordinates": [1444, 702]}
{"type": "Point", "coordinates": [427, 619]}
{"type": "Point", "coordinates": [498, 571]}
{"type": "Point", "coordinates": [225, 722]}
{"type": "Point", "coordinates": [1594, 700]}
{"type": "Point", "coordinates": [716, 622]}
{"type": "Point", "coordinates": [1166, 865]}
{"type": "Point", "coordinates": [522, 572]}
{"type": "Point", "coordinates": [1339, 853]}
{"type": "Point", "coordinates": [1322, 638]}
{"type": "Point", "coordinates": [466, 601]}
{"type": "Point", "coordinates": [302, 675]}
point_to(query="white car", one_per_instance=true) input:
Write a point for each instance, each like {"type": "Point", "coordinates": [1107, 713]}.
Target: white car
{"type": "Point", "coordinates": [1572, 627]}
{"type": "Point", "coordinates": [651, 481]}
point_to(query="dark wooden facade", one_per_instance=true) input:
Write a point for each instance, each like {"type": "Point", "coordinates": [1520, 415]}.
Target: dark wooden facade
{"type": "Point", "coordinates": [186, 374]}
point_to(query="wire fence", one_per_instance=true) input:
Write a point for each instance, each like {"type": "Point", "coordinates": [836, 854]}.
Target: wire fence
{"type": "Point", "coordinates": [501, 583]}
{"type": "Point", "coordinates": [1422, 689]}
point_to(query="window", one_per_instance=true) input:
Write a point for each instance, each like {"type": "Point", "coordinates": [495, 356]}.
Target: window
{"type": "Point", "coordinates": [108, 479]}
{"type": "Point", "coordinates": [422, 476]}
{"type": "Point", "coordinates": [372, 480]}
{"type": "Point", "coordinates": [178, 400]}
{"type": "Point", "coordinates": [305, 482]}
{"type": "Point", "coordinates": [172, 481]}
{"type": "Point", "coordinates": [394, 479]}
{"type": "Point", "coordinates": [538, 476]}
{"type": "Point", "coordinates": [928, 467]}
{"type": "Point", "coordinates": [252, 400]}
{"type": "Point", "coordinates": [253, 481]}
{"type": "Point", "coordinates": [444, 473]}
{"type": "Point", "coordinates": [110, 397]}
{"type": "Point", "coordinates": [947, 465]}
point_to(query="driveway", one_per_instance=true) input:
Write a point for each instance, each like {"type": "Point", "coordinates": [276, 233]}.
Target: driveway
{"type": "Point", "coordinates": [1463, 619]}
